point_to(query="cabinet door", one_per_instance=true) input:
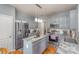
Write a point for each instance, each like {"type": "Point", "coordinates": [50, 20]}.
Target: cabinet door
{"type": "Point", "coordinates": [36, 47]}
{"type": "Point", "coordinates": [39, 46]}
{"type": "Point", "coordinates": [46, 41]}
{"type": "Point", "coordinates": [63, 22]}
{"type": "Point", "coordinates": [42, 45]}
{"type": "Point", "coordinates": [28, 47]}
{"type": "Point", "coordinates": [73, 19]}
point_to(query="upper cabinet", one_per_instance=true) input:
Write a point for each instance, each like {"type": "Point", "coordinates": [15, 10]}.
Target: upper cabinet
{"type": "Point", "coordinates": [61, 19]}
{"type": "Point", "coordinates": [63, 22]}
{"type": "Point", "coordinates": [73, 19]}
{"type": "Point", "coordinates": [66, 20]}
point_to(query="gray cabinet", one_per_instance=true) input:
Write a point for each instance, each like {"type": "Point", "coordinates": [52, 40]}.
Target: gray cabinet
{"type": "Point", "coordinates": [73, 19]}
{"type": "Point", "coordinates": [42, 45]}
{"type": "Point", "coordinates": [27, 47]}
{"type": "Point", "coordinates": [36, 47]}
{"type": "Point", "coordinates": [61, 19]}
{"type": "Point", "coordinates": [62, 22]}
{"type": "Point", "coordinates": [39, 46]}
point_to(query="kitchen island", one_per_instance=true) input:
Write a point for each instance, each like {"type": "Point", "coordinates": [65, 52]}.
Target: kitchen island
{"type": "Point", "coordinates": [35, 45]}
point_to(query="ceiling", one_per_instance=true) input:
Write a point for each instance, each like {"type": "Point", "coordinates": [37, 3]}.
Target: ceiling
{"type": "Point", "coordinates": [47, 9]}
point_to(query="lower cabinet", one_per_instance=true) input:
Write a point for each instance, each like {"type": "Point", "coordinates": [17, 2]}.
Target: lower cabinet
{"type": "Point", "coordinates": [42, 45]}
{"type": "Point", "coordinates": [27, 47]}
{"type": "Point", "coordinates": [39, 46]}
{"type": "Point", "coordinates": [35, 48]}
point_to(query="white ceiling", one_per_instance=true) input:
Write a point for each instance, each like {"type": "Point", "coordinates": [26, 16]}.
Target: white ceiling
{"type": "Point", "coordinates": [47, 9]}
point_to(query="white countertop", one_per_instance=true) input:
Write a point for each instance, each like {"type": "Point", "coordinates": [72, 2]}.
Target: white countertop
{"type": "Point", "coordinates": [34, 38]}
{"type": "Point", "coordinates": [68, 48]}
{"type": "Point", "coordinates": [38, 38]}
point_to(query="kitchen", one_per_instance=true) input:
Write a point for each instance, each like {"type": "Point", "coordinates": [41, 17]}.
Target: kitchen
{"type": "Point", "coordinates": [30, 26]}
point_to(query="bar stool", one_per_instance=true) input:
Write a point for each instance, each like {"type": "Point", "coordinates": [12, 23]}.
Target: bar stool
{"type": "Point", "coordinates": [4, 51]}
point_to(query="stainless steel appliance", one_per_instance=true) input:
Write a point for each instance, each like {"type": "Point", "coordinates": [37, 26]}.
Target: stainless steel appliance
{"type": "Point", "coordinates": [21, 31]}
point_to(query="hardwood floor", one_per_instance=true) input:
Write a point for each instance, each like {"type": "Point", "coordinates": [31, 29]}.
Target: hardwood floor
{"type": "Point", "coordinates": [50, 50]}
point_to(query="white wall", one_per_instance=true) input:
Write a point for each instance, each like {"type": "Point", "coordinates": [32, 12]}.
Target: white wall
{"type": "Point", "coordinates": [6, 9]}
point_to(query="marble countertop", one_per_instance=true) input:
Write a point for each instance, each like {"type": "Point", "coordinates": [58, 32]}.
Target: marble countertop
{"type": "Point", "coordinates": [38, 38]}
{"type": "Point", "coordinates": [68, 48]}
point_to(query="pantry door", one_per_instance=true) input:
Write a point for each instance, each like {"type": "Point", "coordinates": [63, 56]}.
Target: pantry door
{"type": "Point", "coordinates": [6, 32]}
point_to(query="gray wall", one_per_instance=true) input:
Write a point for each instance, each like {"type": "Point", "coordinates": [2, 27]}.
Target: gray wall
{"type": "Point", "coordinates": [11, 11]}
{"type": "Point", "coordinates": [29, 19]}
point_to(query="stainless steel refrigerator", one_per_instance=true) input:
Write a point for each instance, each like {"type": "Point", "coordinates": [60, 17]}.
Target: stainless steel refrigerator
{"type": "Point", "coordinates": [21, 31]}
